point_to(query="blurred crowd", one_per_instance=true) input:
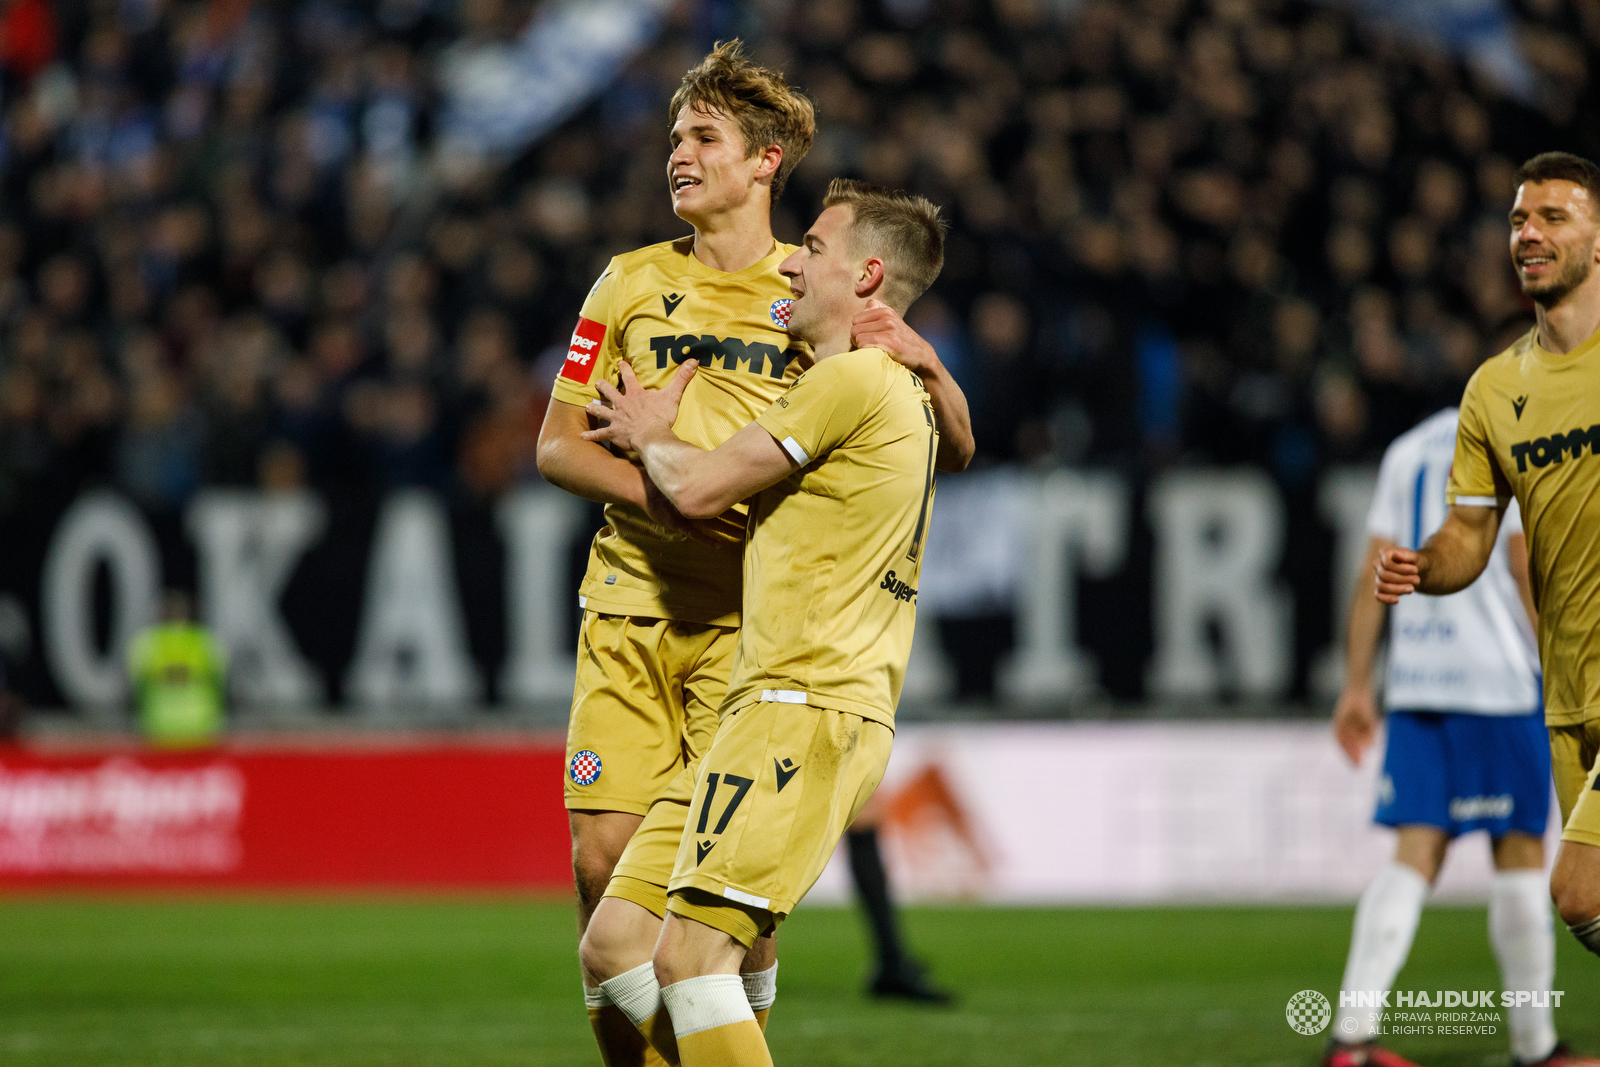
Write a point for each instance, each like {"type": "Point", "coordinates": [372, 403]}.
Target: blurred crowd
{"type": "Point", "coordinates": [1208, 230]}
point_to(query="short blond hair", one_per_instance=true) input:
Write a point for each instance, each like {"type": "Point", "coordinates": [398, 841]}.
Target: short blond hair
{"type": "Point", "coordinates": [767, 110]}
{"type": "Point", "coordinates": [903, 230]}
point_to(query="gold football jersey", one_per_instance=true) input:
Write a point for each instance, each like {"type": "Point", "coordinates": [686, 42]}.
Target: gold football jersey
{"type": "Point", "coordinates": [1530, 428]}
{"type": "Point", "coordinates": [658, 307]}
{"type": "Point", "coordinates": [835, 549]}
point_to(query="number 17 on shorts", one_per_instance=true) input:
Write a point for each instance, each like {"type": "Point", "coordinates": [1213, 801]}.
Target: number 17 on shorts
{"type": "Point", "coordinates": [775, 792]}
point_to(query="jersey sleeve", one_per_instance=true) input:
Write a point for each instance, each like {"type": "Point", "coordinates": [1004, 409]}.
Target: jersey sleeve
{"type": "Point", "coordinates": [1475, 476]}
{"type": "Point", "coordinates": [820, 410]}
{"type": "Point", "coordinates": [1386, 516]}
{"type": "Point", "coordinates": [595, 348]}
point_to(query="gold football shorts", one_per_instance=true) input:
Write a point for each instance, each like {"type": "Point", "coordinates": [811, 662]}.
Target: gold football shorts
{"type": "Point", "coordinates": [644, 707]}
{"type": "Point", "coordinates": [743, 841]}
{"type": "Point", "coordinates": [644, 870]}
{"type": "Point", "coordinates": [1573, 761]}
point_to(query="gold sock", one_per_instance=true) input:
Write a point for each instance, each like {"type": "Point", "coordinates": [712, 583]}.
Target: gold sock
{"type": "Point", "coordinates": [761, 1019]}
{"type": "Point", "coordinates": [621, 1045]}
{"type": "Point", "coordinates": [661, 1042]}
{"type": "Point", "coordinates": [738, 1044]}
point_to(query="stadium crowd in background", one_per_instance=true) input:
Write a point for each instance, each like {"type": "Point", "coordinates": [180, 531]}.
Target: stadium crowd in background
{"type": "Point", "coordinates": [1220, 229]}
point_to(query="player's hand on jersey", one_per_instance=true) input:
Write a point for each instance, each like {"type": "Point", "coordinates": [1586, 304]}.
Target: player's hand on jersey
{"type": "Point", "coordinates": [880, 326]}
{"type": "Point", "coordinates": [1355, 721]}
{"type": "Point", "coordinates": [633, 414]}
{"type": "Point", "coordinates": [1397, 574]}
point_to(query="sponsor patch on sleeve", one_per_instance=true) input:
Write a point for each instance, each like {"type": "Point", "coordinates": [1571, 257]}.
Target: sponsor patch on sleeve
{"type": "Point", "coordinates": [581, 354]}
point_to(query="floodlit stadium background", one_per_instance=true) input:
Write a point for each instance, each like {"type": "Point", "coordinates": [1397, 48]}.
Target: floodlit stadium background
{"type": "Point", "coordinates": [283, 287]}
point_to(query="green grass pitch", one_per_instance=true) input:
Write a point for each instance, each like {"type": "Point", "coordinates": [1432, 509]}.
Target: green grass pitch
{"type": "Point", "coordinates": [362, 982]}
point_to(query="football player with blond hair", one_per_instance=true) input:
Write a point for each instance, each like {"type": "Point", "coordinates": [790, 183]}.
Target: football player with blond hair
{"type": "Point", "coordinates": [839, 472]}
{"type": "Point", "coordinates": [661, 593]}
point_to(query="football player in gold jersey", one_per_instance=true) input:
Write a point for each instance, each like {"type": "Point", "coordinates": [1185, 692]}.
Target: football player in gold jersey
{"type": "Point", "coordinates": [661, 593]}
{"type": "Point", "coordinates": [839, 472]}
{"type": "Point", "coordinates": [1530, 429]}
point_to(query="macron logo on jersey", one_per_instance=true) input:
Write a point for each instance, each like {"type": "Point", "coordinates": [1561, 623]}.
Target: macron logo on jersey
{"type": "Point", "coordinates": [586, 341]}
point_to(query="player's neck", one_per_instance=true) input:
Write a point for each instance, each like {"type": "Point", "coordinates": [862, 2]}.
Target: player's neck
{"type": "Point", "coordinates": [830, 345]}
{"type": "Point", "coordinates": [837, 337]}
{"type": "Point", "coordinates": [736, 239]}
{"type": "Point", "coordinates": [1572, 321]}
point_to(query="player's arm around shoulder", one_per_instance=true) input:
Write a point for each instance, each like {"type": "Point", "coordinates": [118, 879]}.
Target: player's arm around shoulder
{"type": "Point", "coordinates": [823, 407]}
{"type": "Point", "coordinates": [811, 418]}
{"type": "Point", "coordinates": [700, 483]}
{"type": "Point", "coordinates": [879, 326]}
{"type": "Point", "coordinates": [743, 465]}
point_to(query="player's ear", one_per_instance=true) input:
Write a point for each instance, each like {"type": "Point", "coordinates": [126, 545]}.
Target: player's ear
{"type": "Point", "coordinates": [870, 280]}
{"type": "Point", "coordinates": [771, 160]}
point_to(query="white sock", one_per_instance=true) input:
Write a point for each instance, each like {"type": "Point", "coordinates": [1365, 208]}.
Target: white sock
{"type": "Point", "coordinates": [705, 1003]}
{"type": "Point", "coordinates": [636, 992]}
{"type": "Point", "coordinates": [1524, 943]}
{"type": "Point", "coordinates": [1386, 921]}
{"type": "Point", "coordinates": [761, 987]}
{"type": "Point", "coordinates": [594, 997]}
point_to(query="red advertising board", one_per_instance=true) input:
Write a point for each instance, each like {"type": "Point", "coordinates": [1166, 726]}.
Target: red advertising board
{"type": "Point", "coordinates": [446, 815]}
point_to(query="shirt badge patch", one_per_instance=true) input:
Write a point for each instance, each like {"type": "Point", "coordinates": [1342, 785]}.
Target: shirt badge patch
{"type": "Point", "coordinates": [581, 353]}
{"type": "Point", "coordinates": [585, 767]}
{"type": "Point", "coordinates": [780, 312]}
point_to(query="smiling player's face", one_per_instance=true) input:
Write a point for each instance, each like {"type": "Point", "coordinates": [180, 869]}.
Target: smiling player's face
{"type": "Point", "coordinates": [1553, 234]}
{"type": "Point", "coordinates": [822, 276]}
{"type": "Point", "coordinates": [708, 171]}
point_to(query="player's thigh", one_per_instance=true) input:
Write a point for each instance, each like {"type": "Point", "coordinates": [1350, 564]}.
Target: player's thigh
{"type": "Point", "coordinates": [1572, 762]}
{"type": "Point", "coordinates": [645, 868]}
{"type": "Point", "coordinates": [598, 839]}
{"type": "Point", "coordinates": [1421, 848]}
{"type": "Point", "coordinates": [1582, 824]}
{"type": "Point", "coordinates": [625, 738]}
{"type": "Point", "coordinates": [772, 797]}
{"type": "Point", "coordinates": [689, 948]}
{"type": "Point", "coordinates": [1516, 851]}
